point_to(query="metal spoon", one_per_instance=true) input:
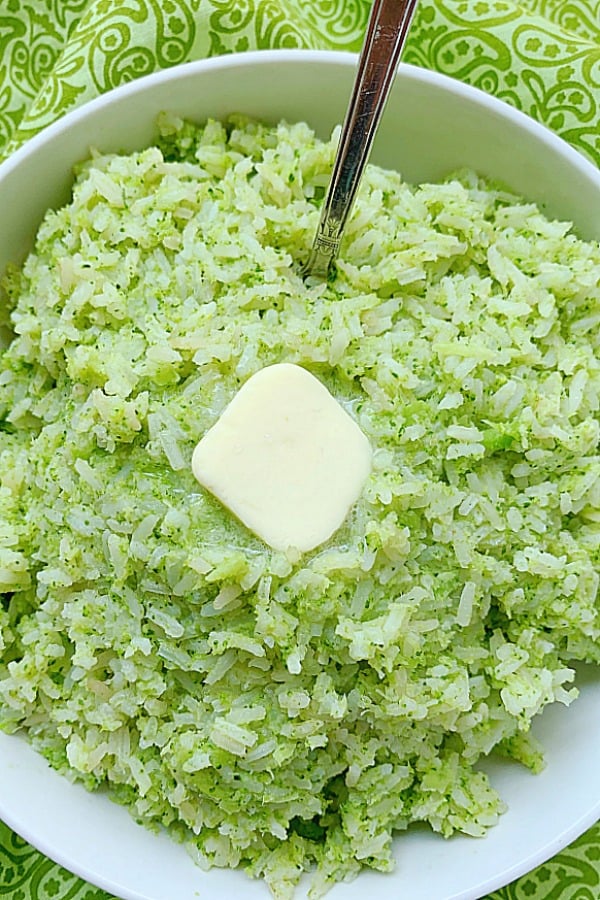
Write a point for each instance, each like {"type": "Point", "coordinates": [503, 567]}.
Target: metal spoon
{"type": "Point", "coordinates": [387, 30]}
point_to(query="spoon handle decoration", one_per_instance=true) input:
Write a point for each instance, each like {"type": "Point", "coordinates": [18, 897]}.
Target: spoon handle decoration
{"type": "Point", "coordinates": [387, 29]}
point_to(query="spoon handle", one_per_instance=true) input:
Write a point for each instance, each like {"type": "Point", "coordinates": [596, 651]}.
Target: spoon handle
{"type": "Point", "coordinates": [386, 34]}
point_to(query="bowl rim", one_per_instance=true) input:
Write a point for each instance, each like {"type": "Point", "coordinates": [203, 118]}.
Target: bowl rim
{"type": "Point", "coordinates": [254, 58]}
{"type": "Point", "coordinates": [479, 98]}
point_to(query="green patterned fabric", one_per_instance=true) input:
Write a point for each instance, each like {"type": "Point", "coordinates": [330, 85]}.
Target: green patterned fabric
{"type": "Point", "coordinates": [542, 56]}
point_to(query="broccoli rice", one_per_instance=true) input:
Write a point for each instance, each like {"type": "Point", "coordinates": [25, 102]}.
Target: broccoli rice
{"type": "Point", "coordinates": [277, 711]}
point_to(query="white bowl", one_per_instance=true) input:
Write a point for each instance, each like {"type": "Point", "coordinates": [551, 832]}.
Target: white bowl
{"type": "Point", "coordinates": [432, 125]}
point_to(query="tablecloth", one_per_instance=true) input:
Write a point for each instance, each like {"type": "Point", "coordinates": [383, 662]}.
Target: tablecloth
{"type": "Point", "coordinates": [542, 56]}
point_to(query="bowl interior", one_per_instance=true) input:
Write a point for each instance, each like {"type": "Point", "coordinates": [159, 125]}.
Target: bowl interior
{"type": "Point", "coordinates": [431, 127]}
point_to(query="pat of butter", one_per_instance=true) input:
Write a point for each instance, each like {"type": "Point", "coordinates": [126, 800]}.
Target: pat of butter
{"type": "Point", "coordinates": [285, 458]}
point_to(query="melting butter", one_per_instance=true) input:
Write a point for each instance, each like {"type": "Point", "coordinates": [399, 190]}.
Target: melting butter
{"type": "Point", "coordinates": [285, 458]}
